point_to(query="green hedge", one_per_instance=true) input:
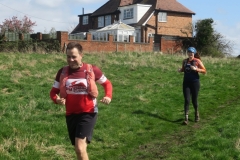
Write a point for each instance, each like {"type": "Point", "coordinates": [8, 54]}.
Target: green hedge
{"type": "Point", "coordinates": [32, 46]}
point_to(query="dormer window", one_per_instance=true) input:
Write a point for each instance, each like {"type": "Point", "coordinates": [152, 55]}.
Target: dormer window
{"type": "Point", "coordinates": [128, 13]}
{"type": "Point", "coordinates": [107, 20]}
{"type": "Point", "coordinates": [162, 17]}
{"type": "Point", "coordinates": [101, 21]}
{"type": "Point", "coordinates": [85, 20]}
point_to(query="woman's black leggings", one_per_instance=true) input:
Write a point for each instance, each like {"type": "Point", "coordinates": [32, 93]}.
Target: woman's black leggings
{"type": "Point", "coordinates": [190, 89]}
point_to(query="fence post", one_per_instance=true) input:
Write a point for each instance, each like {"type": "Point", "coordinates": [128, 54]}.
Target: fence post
{"type": "Point", "coordinates": [20, 36]}
{"type": "Point", "coordinates": [110, 38]}
{"type": "Point", "coordinates": [39, 35]}
{"type": "Point", "coordinates": [89, 37]}
{"type": "Point", "coordinates": [62, 37]}
{"type": "Point", "coordinates": [131, 38]}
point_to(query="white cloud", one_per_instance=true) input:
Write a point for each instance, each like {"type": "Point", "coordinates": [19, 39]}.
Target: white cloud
{"type": "Point", "coordinates": [46, 14]}
{"type": "Point", "coordinates": [49, 3]}
{"type": "Point", "coordinates": [60, 14]}
{"type": "Point", "coordinates": [221, 11]}
{"type": "Point", "coordinates": [89, 1]}
{"type": "Point", "coordinates": [63, 15]}
{"type": "Point", "coordinates": [231, 33]}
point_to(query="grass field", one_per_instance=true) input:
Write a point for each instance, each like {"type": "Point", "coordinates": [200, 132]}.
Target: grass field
{"type": "Point", "coordinates": [143, 122]}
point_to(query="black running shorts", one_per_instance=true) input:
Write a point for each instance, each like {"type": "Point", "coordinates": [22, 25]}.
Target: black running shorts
{"type": "Point", "coordinates": [81, 126]}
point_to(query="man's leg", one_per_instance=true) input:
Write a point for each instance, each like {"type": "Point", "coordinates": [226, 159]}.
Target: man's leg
{"type": "Point", "coordinates": [83, 135]}
{"type": "Point", "coordinates": [81, 148]}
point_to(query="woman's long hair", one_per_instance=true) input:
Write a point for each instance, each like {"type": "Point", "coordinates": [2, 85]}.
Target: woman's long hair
{"type": "Point", "coordinates": [197, 56]}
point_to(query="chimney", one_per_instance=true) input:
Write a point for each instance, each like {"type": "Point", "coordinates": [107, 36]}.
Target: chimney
{"type": "Point", "coordinates": [82, 10]}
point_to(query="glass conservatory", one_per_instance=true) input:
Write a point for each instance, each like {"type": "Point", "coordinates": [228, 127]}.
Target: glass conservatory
{"type": "Point", "coordinates": [119, 30]}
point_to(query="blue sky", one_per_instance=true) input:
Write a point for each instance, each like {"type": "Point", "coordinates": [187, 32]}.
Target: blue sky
{"type": "Point", "coordinates": [63, 14]}
{"type": "Point", "coordinates": [225, 14]}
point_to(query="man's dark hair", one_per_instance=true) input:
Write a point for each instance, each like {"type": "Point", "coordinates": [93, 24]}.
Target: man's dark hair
{"type": "Point", "coordinates": [72, 45]}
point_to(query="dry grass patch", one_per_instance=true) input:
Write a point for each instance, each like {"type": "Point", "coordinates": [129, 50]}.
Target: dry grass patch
{"type": "Point", "coordinates": [5, 91]}
{"type": "Point", "coordinates": [17, 143]}
{"type": "Point", "coordinates": [237, 144]}
{"type": "Point", "coordinates": [3, 67]}
{"type": "Point", "coordinates": [31, 63]}
{"type": "Point", "coordinates": [47, 61]}
{"type": "Point", "coordinates": [26, 72]}
{"type": "Point", "coordinates": [57, 149]}
{"type": "Point", "coordinates": [16, 76]}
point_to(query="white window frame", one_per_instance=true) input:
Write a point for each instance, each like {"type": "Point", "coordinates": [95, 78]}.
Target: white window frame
{"type": "Point", "coordinates": [120, 37]}
{"type": "Point", "coordinates": [162, 17]}
{"type": "Point", "coordinates": [101, 21]}
{"type": "Point", "coordinates": [85, 20]}
{"type": "Point", "coordinates": [105, 36]}
{"type": "Point", "coordinates": [128, 13]}
{"type": "Point", "coordinates": [150, 34]}
{"type": "Point", "coordinates": [137, 37]}
{"type": "Point", "coordinates": [107, 20]}
{"type": "Point", "coordinates": [125, 38]}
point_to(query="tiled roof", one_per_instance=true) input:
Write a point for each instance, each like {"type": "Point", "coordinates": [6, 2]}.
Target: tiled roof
{"type": "Point", "coordinates": [129, 2]}
{"type": "Point", "coordinates": [75, 30]}
{"type": "Point", "coordinates": [172, 5]}
{"type": "Point", "coordinates": [111, 6]}
{"type": "Point", "coordinates": [125, 2]}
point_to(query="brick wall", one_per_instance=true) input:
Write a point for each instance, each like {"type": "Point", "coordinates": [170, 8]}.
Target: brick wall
{"type": "Point", "coordinates": [90, 46]}
{"type": "Point", "coordinates": [165, 44]}
{"type": "Point", "coordinates": [170, 45]}
{"type": "Point", "coordinates": [175, 23]}
{"type": "Point", "coordinates": [169, 31]}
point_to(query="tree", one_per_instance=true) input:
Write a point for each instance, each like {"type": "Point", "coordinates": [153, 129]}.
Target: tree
{"type": "Point", "coordinates": [204, 33]}
{"type": "Point", "coordinates": [207, 40]}
{"type": "Point", "coordinates": [53, 33]}
{"type": "Point", "coordinates": [18, 26]}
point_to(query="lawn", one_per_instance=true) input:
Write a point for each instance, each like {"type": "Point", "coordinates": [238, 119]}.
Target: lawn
{"type": "Point", "coordinates": [143, 121]}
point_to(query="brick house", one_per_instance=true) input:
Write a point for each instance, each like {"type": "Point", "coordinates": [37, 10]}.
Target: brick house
{"type": "Point", "coordinates": [165, 20]}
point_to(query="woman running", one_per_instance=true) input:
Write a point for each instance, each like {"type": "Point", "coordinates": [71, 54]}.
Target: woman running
{"type": "Point", "coordinates": [191, 84]}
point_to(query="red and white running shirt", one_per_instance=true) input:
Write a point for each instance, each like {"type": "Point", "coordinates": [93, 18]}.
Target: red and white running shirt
{"type": "Point", "coordinates": [78, 100]}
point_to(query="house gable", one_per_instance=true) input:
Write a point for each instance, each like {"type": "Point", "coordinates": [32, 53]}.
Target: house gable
{"type": "Point", "coordinates": [142, 14]}
{"type": "Point", "coordinates": [83, 24]}
{"type": "Point", "coordinates": [175, 25]}
{"type": "Point", "coordinates": [141, 8]}
{"type": "Point", "coordinates": [172, 6]}
{"type": "Point", "coordinates": [138, 10]}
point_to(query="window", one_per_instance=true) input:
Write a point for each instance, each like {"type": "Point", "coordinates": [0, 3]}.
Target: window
{"type": "Point", "coordinates": [162, 17]}
{"type": "Point", "coordinates": [137, 37]}
{"type": "Point", "coordinates": [100, 21]}
{"type": "Point", "coordinates": [128, 13]}
{"type": "Point", "coordinates": [101, 36]}
{"type": "Point", "coordinates": [150, 34]}
{"type": "Point", "coordinates": [85, 20]}
{"type": "Point", "coordinates": [104, 36]}
{"type": "Point", "coordinates": [126, 38]}
{"type": "Point", "coordinates": [120, 38]}
{"type": "Point", "coordinates": [107, 20]}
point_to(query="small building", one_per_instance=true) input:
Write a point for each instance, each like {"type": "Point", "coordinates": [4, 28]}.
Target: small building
{"type": "Point", "coordinates": [119, 30]}
{"type": "Point", "coordinates": [166, 20]}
